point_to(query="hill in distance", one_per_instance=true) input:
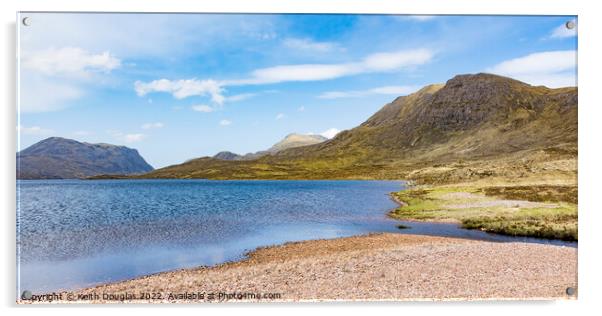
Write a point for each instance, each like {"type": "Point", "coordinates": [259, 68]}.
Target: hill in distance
{"type": "Point", "coordinates": [296, 140]}
{"type": "Point", "coordinates": [290, 141]}
{"type": "Point", "coordinates": [472, 125]}
{"type": "Point", "coordinates": [61, 158]}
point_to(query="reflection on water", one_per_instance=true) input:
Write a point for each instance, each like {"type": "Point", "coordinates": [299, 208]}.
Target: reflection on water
{"type": "Point", "coordinates": [75, 233]}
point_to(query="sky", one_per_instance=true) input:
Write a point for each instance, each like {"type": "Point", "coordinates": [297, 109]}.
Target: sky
{"type": "Point", "coordinates": [182, 86]}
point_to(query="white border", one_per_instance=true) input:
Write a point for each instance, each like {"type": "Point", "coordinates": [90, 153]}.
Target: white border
{"type": "Point", "coordinates": [590, 130]}
{"type": "Point", "coordinates": [313, 6]}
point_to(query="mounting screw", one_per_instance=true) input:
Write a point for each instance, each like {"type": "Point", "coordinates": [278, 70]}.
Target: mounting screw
{"type": "Point", "coordinates": [26, 295]}
{"type": "Point", "coordinates": [570, 291]}
{"type": "Point", "coordinates": [26, 21]}
{"type": "Point", "coordinates": [570, 25]}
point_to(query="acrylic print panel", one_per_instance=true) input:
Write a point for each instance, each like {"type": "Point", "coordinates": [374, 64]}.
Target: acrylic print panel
{"type": "Point", "coordinates": [272, 157]}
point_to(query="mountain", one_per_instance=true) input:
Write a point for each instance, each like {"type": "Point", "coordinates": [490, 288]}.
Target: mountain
{"type": "Point", "coordinates": [471, 126]}
{"type": "Point", "coordinates": [290, 141]}
{"type": "Point", "coordinates": [227, 155]}
{"type": "Point", "coordinates": [296, 140]}
{"type": "Point", "coordinates": [61, 158]}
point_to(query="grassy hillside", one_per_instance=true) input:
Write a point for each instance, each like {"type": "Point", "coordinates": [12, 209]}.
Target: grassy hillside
{"type": "Point", "coordinates": [474, 126]}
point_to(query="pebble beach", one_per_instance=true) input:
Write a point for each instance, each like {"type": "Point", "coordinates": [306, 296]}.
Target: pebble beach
{"type": "Point", "coordinates": [376, 267]}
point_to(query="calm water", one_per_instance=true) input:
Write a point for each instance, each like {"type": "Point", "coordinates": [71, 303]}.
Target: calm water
{"type": "Point", "coordinates": [76, 233]}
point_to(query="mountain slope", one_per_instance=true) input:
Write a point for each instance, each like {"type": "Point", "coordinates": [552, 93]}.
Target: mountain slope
{"type": "Point", "coordinates": [290, 141]}
{"type": "Point", "coordinates": [296, 140]}
{"type": "Point", "coordinates": [61, 158]}
{"type": "Point", "coordinates": [480, 117]}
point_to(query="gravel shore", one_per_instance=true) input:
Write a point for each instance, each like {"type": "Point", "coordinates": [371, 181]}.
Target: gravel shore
{"type": "Point", "coordinates": [372, 267]}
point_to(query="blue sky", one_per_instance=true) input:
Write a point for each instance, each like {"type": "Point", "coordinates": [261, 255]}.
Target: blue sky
{"type": "Point", "coordinates": [181, 86]}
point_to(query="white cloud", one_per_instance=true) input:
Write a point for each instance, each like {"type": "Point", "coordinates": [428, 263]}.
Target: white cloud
{"type": "Point", "coordinates": [132, 138]}
{"type": "Point", "coordinates": [33, 130]}
{"type": "Point", "coordinates": [51, 78]}
{"type": "Point", "coordinates": [393, 90]}
{"type": "Point", "coordinates": [378, 62]}
{"type": "Point", "coordinates": [202, 108]}
{"type": "Point", "coordinates": [104, 41]}
{"type": "Point", "coordinates": [562, 31]}
{"type": "Point", "coordinates": [306, 72]}
{"type": "Point", "coordinates": [330, 133]}
{"type": "Point", "coordinates": [181, 89]}
{"type": "Point", "coordinates": [544, 62]}
{"type": "Point", "coordinates": [225, 122]}
{"type": "Point", "coordinates": [280, 116]}
{"type": "Point", "coordinates": [553, 68]}
{"type": "Point", "coordinates": [152, 125]}
{"type": "Point", "coordinates": [127, 138]}
{"type": "Point", "coordinates": [301, 109]}
{"type": "Point", "coordinates": [69, 61]}
{"type": "Point", "coordinates": [239, 97]}
{"type": "Point", "coordinates": [309, 45]}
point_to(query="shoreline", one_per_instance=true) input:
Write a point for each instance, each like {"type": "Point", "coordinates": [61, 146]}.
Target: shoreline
{"type": "Point", "coordinates": [373, 267]}
{"type": "Point", "coordinates": [538, 211]}
{"type": "Point", "coordinates": [400, 203]}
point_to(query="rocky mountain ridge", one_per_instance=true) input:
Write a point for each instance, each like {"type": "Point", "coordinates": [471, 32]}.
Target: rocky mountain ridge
{"type": "Point", "coordinates": [62, 158]}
